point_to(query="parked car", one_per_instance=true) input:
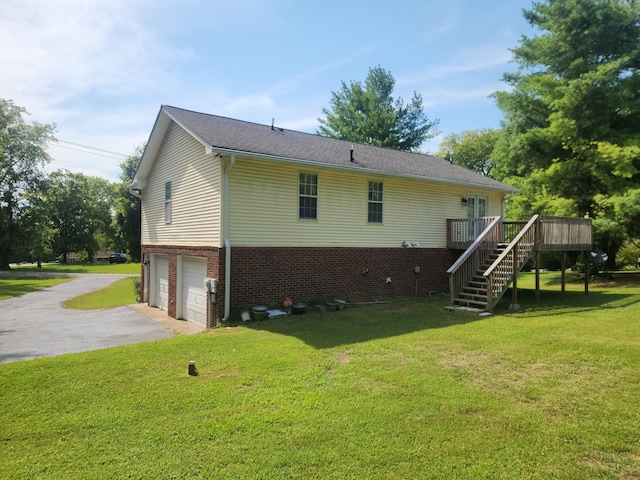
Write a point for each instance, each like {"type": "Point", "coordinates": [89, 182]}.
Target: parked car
{"type": "Point", "coordinates": [118, 258]}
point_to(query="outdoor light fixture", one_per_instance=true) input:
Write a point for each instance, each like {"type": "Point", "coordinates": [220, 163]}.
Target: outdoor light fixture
{"type": "Point", "coordinates": [464, 200]}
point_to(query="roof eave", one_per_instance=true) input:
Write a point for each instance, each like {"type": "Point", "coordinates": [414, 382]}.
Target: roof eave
{"type": "Point", "coordinates": [160, 127]}
{"type": "Point", "coordinates": [230, 151]}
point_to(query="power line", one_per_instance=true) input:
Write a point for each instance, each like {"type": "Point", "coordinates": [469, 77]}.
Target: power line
{"type": "Point", "coordinates": [120, 156]}
{"type": "Point", "coordinates": [86, 167]}
{"type": "Point", "coordinates": [92, 148]}
{"type": "Point", "coordinates": [90, 153]}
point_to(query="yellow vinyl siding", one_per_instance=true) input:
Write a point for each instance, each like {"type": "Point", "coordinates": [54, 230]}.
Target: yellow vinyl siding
{"type": "Point", "coordinates": [196, 194]}
{"type": "Point", "coordinates": [264, 208]}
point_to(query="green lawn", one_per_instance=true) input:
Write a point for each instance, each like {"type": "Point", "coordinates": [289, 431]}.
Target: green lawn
{"type": "Point", "coordinates": [120, 292]}
{"type": "Point", "coordinates": [29, 278]}
{"type": "Point", "coordinates": [123, 268]}
{"type": "Point", "coordinates": [396, 391]}
{"type": "Point", "coordinates": [13, 286]}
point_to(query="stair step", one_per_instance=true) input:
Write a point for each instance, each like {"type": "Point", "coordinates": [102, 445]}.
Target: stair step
{"type": "Point", "coordinates": [467, 302]}
{"type": "Point", "coordinates": [472, 294]}
{"type": "Point", "coordinates": [475, 291]}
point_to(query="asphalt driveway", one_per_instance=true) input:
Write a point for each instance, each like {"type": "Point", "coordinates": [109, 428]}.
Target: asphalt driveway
{"type": "Point", "coordinates": [36, 325]}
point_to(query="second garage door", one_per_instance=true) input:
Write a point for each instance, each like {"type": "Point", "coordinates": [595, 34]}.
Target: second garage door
{"type": "Point", "coordinates": [161, 282]}
{"type": "Point", "coordinates": [194, 296]}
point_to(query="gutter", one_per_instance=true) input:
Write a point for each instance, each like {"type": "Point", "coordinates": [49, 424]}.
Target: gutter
{"type": "Point", "coordinates": [227, 242]}
{"type": "Point", "coordinates": [136, 186]}
{"type": "Point", "coordinates": [135, 190]}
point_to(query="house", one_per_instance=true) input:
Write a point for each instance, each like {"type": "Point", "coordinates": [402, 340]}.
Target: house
{"type": "Point", "coordinates": [237, 214]}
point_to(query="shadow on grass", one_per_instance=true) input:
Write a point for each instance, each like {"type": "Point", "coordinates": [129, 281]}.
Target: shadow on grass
{"type": "Point", "coordinates": [362, 324]}
{"type": "Point", "coordinates": [365, 323]}
{"type": "Point", "coordinates": [553, 303]}
{"type": "Point", "coordinates": [600, 280]}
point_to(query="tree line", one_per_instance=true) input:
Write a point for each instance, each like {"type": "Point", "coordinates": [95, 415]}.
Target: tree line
{"type": "Point", "coordinates": [49, 215]}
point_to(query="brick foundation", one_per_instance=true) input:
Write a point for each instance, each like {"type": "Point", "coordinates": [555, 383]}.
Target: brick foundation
{"type": "Point", "coordinates": [266, 275]}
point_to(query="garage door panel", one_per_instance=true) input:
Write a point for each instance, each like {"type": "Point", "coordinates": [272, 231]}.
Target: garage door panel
{"type": "Point", "coordinates": [194, 296]}
{"type": "Point", "coordinates": [161, 297]}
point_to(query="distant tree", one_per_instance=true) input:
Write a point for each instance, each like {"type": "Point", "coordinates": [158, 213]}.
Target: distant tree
{"type": "Point", "coordinates": [128, 210]}
{"type": "Point", "coordinates": [79, 210]}
{"type": "Point", "coordinates": [369, 114]}
{"type": "Point", "coordinates": [38, 232]}
{"type": "Point", "coordinates": [22, 155]}
{"type": "Point", "coordinates": [571, 137]}
{"type": "Point", "coordinates": [471, 149]}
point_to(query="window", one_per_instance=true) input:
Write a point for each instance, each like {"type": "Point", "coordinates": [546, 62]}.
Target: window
{"type": "Point", "coordinates": [308, 200]}
{"type": "Point", "coordinates": [375, 202]}
{"type": "Point", "coordinates": [167, 202]}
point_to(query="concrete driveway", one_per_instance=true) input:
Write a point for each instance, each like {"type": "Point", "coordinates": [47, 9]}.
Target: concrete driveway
{"type": "Point", "coordinates": [36, 325]}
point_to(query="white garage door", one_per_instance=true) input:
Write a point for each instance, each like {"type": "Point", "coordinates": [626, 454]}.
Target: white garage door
{"type": "Point", "coordinates": [161, 282]}
{"type": "Point", "coordinates": [194, 296]}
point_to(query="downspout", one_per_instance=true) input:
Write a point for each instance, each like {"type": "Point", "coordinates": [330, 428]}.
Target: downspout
{"type": "Point", "coordinates": [227, 242]}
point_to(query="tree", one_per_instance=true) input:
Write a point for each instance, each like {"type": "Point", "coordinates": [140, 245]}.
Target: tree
{"type": "Point", "coordinates": [571, 129]}
{"type": "Point", "coordinates": [79, 210]}
{"type": "Point", "coordinates": [39, 235]}
{"type": "Point", "coordinates": [369, 114]}
{"type": "Point", "coordinates": [22, 155]}
{"type": "Point", "coordinates": [128, 210]}
{"type": "Point", "coordinates": [471, 149]}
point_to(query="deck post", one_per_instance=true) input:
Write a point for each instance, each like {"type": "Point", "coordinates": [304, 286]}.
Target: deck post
{"type": "Point", "coordinates": [537, 276]}
{"type": "Point", "coordinates": [563, 267]}
{"type": "Point", "coordinates": [514, 302]}
{"type": "Point", "coordinates": [587, 272]}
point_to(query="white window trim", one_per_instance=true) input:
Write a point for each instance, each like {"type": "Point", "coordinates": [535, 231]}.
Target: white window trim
{"type": "Point", "coordinates": [300, 195]}
{"type": "Point", "coordinates": [380, 202]}
{"type": "Point", "coordinates": [167, 202]}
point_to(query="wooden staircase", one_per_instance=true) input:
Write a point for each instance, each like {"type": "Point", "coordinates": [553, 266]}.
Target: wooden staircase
{"type": "Point", "coordinates": [474, 292]}
{"type": "Point", "coordinates": [484, 272]}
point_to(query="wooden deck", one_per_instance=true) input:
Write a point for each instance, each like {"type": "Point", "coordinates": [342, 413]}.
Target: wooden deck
{"type": "Point", "coordinates": [495, 251]}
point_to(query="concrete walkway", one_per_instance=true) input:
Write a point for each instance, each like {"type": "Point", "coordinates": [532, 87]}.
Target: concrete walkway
{"type": "Point", "coordinates": [36, 325]}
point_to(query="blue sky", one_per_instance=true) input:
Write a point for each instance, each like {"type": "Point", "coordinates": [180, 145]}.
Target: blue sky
{"type": "Point", "coordinates": [100, 70]}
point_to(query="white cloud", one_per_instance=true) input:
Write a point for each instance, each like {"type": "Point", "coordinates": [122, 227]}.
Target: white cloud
{"type": "Point", "coordinates": [477, 59]}
{"type": "Point", "coordinates": [57, 51]}
{"type": "Point", "coordinates": [443, 96]}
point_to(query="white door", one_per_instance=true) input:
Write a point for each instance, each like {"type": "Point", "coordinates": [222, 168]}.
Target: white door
{"type": "Point", "coordinates": [194, 295]}
{"type": "Point", "coordinates": [160, 266]}
{"type": "Point", "coordinates": [477, 207]}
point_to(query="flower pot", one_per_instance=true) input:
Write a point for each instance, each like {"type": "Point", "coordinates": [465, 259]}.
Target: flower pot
{"type": "Point", "coordinates": [332, 305]}
{"type": "Point", "coordinates": [259, 313]}
{"type": "Point", "coordinates": [341, 304]}
{"type": "Point", "coordinates": [299, 308]}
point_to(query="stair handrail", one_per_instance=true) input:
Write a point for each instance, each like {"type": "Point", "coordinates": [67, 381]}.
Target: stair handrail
{"type": "Point", "coordinates": [470, 260]}
{"type": "Point", "coordinates": [495, 291]}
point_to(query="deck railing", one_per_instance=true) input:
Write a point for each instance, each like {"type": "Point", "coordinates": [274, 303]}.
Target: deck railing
{"type": "Point", "coordinates": [461, 232]}
{"type": "Point", "coordinates": [556, 233]}
{"type": "Point", "coordinates": [475, 256]}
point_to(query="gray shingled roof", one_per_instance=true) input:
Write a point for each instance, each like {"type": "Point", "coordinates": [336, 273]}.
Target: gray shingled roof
{"type": "Point", "coordinates": [264, 140]}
